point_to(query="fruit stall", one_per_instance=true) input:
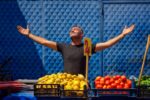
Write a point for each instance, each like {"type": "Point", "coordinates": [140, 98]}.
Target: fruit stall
{"type": "Point", "coordinates": [66, 86]}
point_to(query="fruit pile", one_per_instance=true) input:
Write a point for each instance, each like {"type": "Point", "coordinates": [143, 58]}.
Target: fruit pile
{"type": "Point", "coordinates": [145, 81]}
{"type": "Point", "coordinates": [112, 82]}
{"type": "Point", "coordinates": [70, 82]}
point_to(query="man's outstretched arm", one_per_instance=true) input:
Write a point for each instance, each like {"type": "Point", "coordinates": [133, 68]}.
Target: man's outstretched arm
{"type": "Point", "coordinates": [111, 42]}
{"type": "Point", "coordinates": [40, 40]}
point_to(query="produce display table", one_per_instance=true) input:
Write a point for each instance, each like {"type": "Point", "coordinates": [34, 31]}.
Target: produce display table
{"type": "Point", "coordinates": [27, 93]}
{"type": "Point", "coordinates": [30, 96]}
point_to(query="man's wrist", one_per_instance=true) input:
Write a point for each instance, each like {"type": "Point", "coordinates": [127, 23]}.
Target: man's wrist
{"type": "Point", "coordinates": [28, 34]}
{"type": "Point", "coordinates": [123, 35]}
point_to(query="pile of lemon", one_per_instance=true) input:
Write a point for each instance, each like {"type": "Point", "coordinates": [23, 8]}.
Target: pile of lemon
{"type": "Point", "coordinates": [69, 81]}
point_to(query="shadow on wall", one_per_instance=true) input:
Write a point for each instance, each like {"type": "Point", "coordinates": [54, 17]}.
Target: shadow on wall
{"type": "Point", "coordinates": [24, 59]}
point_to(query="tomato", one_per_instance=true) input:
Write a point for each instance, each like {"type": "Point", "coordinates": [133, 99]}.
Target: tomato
{"type": "Point", "coordinates": [118, 76]}
{"type": "Point", "coordinates": [102, 82]}
{"type": "Point", "coordinates": [123, 78]}
{"type": "Point", "coordinates": [97, 82]}
{"type": "Point", "coordinates": [119, 87]}
{"type": "Point", "coordinates": [122, 84]}
{"type": "Point", "coordinates": [107, 82]}
{"type": "Point", "coordinates": [113, 85]}
{"type": "Point", "coordinates": [126, 86]}
{"type": "Point", "coordinates": [102, 79]}
{"type": "Point", "coordinates": [129, 85]}
{"type": "Point", "coordinates": [117, 82]}
{"type": "Point", "coordinates": [98, 86]}
{"type": "Point", "coordinates": [105, 87]}
{"type": "Point", "coordinates": [112, 80]}
{"type": "Point", "coordinates": [98, 78]}
{"type": "Point", "coordinates": [107, 77]}
{"type": "Point", "coordinates": [108, 86]}
{"type": "Point", "coordinates": [114, 77]}
{"type": "Point", "coordinates": [129, 82]}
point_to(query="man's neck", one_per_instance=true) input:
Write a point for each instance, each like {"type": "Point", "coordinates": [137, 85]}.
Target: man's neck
{"type": "Point", "coordinates": [76, 43]}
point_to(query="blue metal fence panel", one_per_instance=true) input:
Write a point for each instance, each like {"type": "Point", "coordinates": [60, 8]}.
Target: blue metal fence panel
{"type": "Point", "coordinates": [126, 56]}
{"type": "Point", "coordinates": [24, 54]}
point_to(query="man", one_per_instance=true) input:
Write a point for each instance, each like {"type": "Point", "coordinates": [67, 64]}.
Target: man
{"type": "Point", "coordinates": [74, 59]}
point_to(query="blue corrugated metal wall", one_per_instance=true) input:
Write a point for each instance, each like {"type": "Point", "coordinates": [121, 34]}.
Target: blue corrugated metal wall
{"type": "Point", "coordinates": [24, 53]}
{"type": "Point", "coordinates": [52, 19]}
{"type": "Point", "coordinates": [126, 56]}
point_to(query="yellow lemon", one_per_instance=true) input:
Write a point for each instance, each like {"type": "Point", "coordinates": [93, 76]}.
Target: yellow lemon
{"type": "Point", "coordinates": [74, 76]}
{"type": "Point", "coordinates": [69, 83]}
{"type": "Point", "coordinates": [76, 82]}
{"type": "Point", "coordinates": [50, 81]}
{"type": "Point", "coordinates": [75, 87]}
{"type": "Point", "coordinates": [57, 81]}
{"type": "Point", "coordinates": [80, 77]}
{"type": "Point", "coordinates": [68, 87]}
{"type": "Point", "coordinates": [82, 84]}
{"type": "Point", "coordinates": [63, 77]}
{"type": "Point", "coordinates": [68, 76]}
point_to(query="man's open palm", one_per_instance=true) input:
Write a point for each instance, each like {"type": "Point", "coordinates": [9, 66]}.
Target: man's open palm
{"type": "Point", "coordinates": [128, 30]}
{"type": "Point", "coordinates": [23, 30]}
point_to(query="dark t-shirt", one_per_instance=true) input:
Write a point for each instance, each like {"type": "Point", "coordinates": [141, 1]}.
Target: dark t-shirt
{"type": "Point", "coordinates": [73, 56]}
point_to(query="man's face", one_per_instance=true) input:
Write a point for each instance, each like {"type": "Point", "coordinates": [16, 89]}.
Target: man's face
{"type": "Point", "coordinates": [76, 32]}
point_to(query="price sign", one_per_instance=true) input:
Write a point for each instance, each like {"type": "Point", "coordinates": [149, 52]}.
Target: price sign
{"type": "Point", "coordinates": [87, 47]}
{"type": "Point", "coordinates": [87, 53]}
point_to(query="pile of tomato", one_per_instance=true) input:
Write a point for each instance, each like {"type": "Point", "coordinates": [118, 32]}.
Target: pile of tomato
{"type": "Point", "coordinates": [112, 82]}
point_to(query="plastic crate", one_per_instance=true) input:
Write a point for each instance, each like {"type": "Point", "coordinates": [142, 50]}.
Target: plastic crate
{"type": "Point", "coordinates": [144, 91]}
{"type": "Point", "coordinates": [74, 93]}
{"type": "Point", "coordinates": [114, 92]}
{"type": "Point", "coordinates": [48, 90]}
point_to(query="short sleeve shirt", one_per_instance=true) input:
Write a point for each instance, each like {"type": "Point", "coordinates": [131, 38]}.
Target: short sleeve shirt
{"type": "Point", "coordinates": [73, 56]}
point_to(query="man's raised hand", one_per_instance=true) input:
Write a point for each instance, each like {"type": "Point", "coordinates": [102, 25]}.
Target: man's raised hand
{"type": "Point", "coordinates": [23, 31]}
{"type": "Point", "coordinates": [128, 30]}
